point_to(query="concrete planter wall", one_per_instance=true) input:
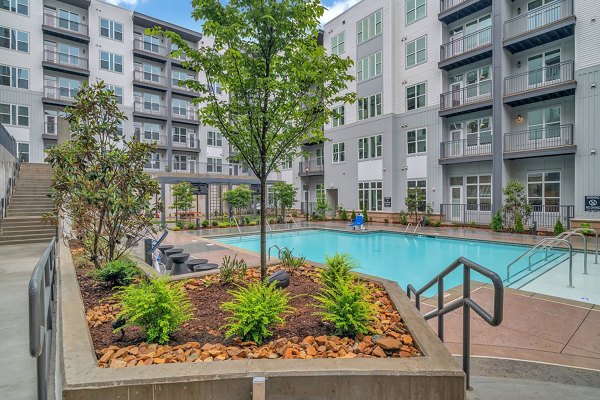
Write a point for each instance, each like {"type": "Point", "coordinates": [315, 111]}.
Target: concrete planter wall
{"type": "Point", "coordinates": [432, 377]}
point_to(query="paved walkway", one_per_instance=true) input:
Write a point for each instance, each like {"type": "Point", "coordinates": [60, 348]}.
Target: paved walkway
{"type": "Point", "coordinates": [18, 371]}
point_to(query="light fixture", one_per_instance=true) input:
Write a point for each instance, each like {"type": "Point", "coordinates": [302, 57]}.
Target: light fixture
{"type": "Point", "coordinates": [518, 64]}
{"type": "Point", "coordinates": [593, 152]}
{"type": "Point", "coordinates": [519, 119]}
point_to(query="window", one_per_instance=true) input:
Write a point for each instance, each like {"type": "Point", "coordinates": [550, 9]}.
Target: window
{"type": "Point", "coordinates": [416, 52]}
{"type": "Point", "coordinates": [180, 162]}
{"type": "Point", "coordinates": [118, 92]}
{"type": "Point", "coordinates": [68, 54]}
{"type": "Point", "coordinates": [421, 185]}
{"type": "Point", "coordinates": [544, 123]}
{"type": "Point", "coordinates": [415, 10]}
{"type": "Point", "coordinates": [151, 43]}
{"type": "Point", "coordinates": [111, 29]}
{"type": "Point", "coordinates": [16, 6]}
{"type": "Point", "coordinates": [151, 132]}
{"type": "Point", "coordinates": [337, 43]}
{"type": "Point", "coordinates": [369, 147]}
{"type": "Point", "coordinates": [68, 88]}
{"type": "Point", "coordinates": [181, 57]}
{"type": "Point", "coordinates": [151, 72]}
{"type": "Point", "coordinates": [23, 150]}
{"type": "Point", "coordinates": [287, 164]}
{"type": "Point", "coordinates": [338, 119]}
{"type": "Point", "coordinates": [214, 138]}
{"type": "Point", "coordinates": [177, 76]}
{"type": "Point", "coordinates": [369, 107]}
{"type": "Point", "coordinates": [479, 192]}
{"type": "Point", "coordinates": [68, 20]}
{"type": "Point", "coordinates": [111, 62]}
{"type": "Point", "coordinates": [153, 162]}
{"type": "Point", "coordinates": [479, 82]}
{"type": "Point", "coordinates": [320, 157]}
{"type": "Point", "coordinates": [543, 68]}
{"type": "Point", "coordinates": [120, 129]}
{"type": "Point", "coordinates": [479, 131]}
{"type": "Point", "coordinates": [370, 196]}
{"type": "Point", "coordinates": [369, 27]}
{"type": "Point", "coordinates": [416, 141]}
{"type": "Point", "coordinates": [415, 96]}
{"type": "Point", "coordinates": [14, 77]}
{"type": "Point", "coordinates": [368, 67]}
{"type": "Point", "coordinates": [214, 164]}
{"type": "Point", "coordinates": [14, 39]}
{"type": "Point", "coordinates": [180, 135]}
{"type": "Point", "coordinates": [543, 189]}
{"type": "Point", "coordinates": [338, 152]}
{"type": "Point", "coordinates": [217, 88]}
{"type": "Point", "coordinates": [470, 35]}
{"type": "Point", "coordinates": [12, 114]}
{"type": "Point", "coordinates": [180, 107]}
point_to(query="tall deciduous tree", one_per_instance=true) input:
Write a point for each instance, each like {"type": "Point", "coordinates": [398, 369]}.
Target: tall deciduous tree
{"type": "Point", "coordinates": [98, 178]}
{"type": "Point", "coordinates": [282, 84]}
{"type": "Point", "coordinates": [184, 196]}
{"type": "Point", "coordinates": [284, 194]}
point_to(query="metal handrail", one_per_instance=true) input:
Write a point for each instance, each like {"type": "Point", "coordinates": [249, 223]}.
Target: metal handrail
{"type": "Point", "coordinates": [459, 46]}
{"type": "Point", "coordinates": [559, 74]}
{"type": "Point", "coordinates": [269, 225]}
{"type": "Point", "coordinates": [567, 235]}
{"type": "Point", "coordinates": [408, 226]}
{"type": "Point", "coordinates": [416, 227]}
{"type": "Point", "coordinates": [279, 250]}
{"type": "Point", "coordinates": [465, 301]}
{"type": "Point", "coordinates": [69, 60]}
{"type": "Point", "coordinates": [296, 224]}
{"type": "Point", "coordinates": [539, 244]}
{"type": "Point", "coordinates": [596, 233]}
{"type": "Point", "coordinates": [236, 224]}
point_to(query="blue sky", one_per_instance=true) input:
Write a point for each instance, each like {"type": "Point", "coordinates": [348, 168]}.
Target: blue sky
{"type": "Point", "coordinates": [178, 11]}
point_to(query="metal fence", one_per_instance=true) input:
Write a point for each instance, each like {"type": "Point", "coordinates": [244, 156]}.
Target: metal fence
{"type": "Point", "coordinates": [475, 146]}
{"type": "Point", "coordinates": [538, 18]}
{"type": "Point", "coordinates": [467, 95]}
{"type": "Point", "coordinates": [312, 166]}
{"type": "Point", "coordinates": [42, 297]}
{"type": "Point", "coordinates": [546, 216]}
{"type": "Point", "coordinates": [146, 107]}
{"type": "Point", "coordinates": [466, 213]}
{"type": "Point", "coordinates": [466, 43]}
{"type": "Point", "coordinates": [8, 141]}
{"type": "Point", "coordinates": [539, 138]}
{"type": "Point", "coordinates": [540, 78]}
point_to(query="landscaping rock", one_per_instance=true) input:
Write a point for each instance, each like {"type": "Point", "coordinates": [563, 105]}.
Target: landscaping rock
{"type": "Point", "coordinates": [388, 343]}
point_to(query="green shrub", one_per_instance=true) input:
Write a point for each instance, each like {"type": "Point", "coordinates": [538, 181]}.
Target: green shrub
{"type": "Point", "coordinates": [558, 227]}
{"type": "Point", "coordinates": [289, 262]}
{"type": "Point", "coordinates": [191, 225]}
{"type": "Point", "coordinates": [224, 224]}
{"type": "Point", "coordinates": [344, 215]}
{"type": "Point", "coordinates": [272, 220]}
{"type": "Point", "coordinates": [255, 309]}
{"type": "Point", "coordinates": [176, 228]}
{"type": "Point", "coordinates": [338, 268]}
{"type": "Point", "coordinates": [205, 223]}
{"type": "Point", "coordinates": [180, 224]}
{"type": "Point", "coordinates": [437, 223]}
{"type": "Point", "coordinates": [365, 215]}
{"type": "Point", "coordinates": [497, 222]}
{"type": "Point", "coordinates": [214, 223]}
{"type": "Point", "coordinates": [353, 215]}
{"type": "Point", "coordinates": [403, 218]}
{"type": "Point", "coordinates": [386, 221]}
{"type": "Point", "coordinates": [519, 228]}
{"type": "Point", "coordinates": [157, 306]}
{"type": "Point", "coordinates": [232, 269]}
{"type": "Point", "coordinates": [117, 273]}
{"type": "Point", "coordinates": [247, 221]}
{"type": "Point", "coordinates": [586, 228]}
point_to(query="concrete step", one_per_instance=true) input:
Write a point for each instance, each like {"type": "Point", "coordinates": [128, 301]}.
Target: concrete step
{"type": "Point", "coordinates": [24, 222]}
{"type": "Point", "coordinates": [26, 235]}
{"type": "Point", "coordinates": [27, 213]}
{"type": "Point", "coordinates": [28, 210]}
{"type": "Point", "coordinates": [24, 241]}
{"type": "Point", "coordinates": [6, 230]}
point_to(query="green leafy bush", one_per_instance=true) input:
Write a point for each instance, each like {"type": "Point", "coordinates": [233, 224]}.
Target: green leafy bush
{"type": "Point", "coordinates": [344, 215]}
{"type": "Point", "coordinates": [205, 223]}
{"type": "Point", "coordinates": [519, 228]}
{"type": "Point", "coordinates": [403, 218]}
{"type": "Point", "coordinates": [191, 225]}
{"type": "Point", "coordinates": [255, 309]}
{"type": "Point", "coordinates": [353, 215]}
{"type": "Point", "coordinates": [497, 222]}
{"type": "Point", "coordinates": [176, 228]}
{"type": "Point", "coordinates": [365, 215]}
{"type": "Point", "coordinates": [289, 262]}
{"type": "Point", "coordinates": [338, 268]}
{"type": "Point", "coordinates": [437, 223]}
{"type": "Point", "coordinates": [224, 225]}
{"type": "Point", "coordinates": [558, 227]}
{"type": "Point", "coordinates": [180, 224]}
{"type": "Point", "coordinates": [586, 228]}
{"type": "Point", "coordinates": [214, 223]}
{"type": "Point", "coordinates": [386, 221]}
{"type": "Point", "coordinates": [117, 273]}
{"type": "Point", "coordinates": [158, 306]}
{"type": "Point", "coordinates": [232, 269]}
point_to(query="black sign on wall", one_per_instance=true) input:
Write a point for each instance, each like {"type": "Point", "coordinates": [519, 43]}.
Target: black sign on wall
{"type": "Point", "coordinates": [592, 203]}
{"type": "Point", "coordinates": [387, 201]}
{"type": "Point", "coordinates": [200, 188]}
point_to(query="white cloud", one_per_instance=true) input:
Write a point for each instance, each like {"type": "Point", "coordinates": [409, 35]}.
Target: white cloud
{"type": "Point", "coordinates": [338, 7]}
{"type": "Point", "coordinates": [129, 3]}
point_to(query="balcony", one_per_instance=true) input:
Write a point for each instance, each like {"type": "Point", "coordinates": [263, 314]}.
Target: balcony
{"type": "Point", "coordinates": [312, 167]}
{"type": "Point", "coordinates": [453, 10]}
{"type": "Point", "coordinates": [541, 84]}
{"type": "Point", "coordinates": [183, 90]}
{"type": "Point", "coordinates": [550, 22]}
{"type": "Point", "coordinates": [148, 80]}
{"type": "Point", "coordinates": [65, 29]}
{"type": "Point", "coordinates": [149, 51]}
{"type": "Point", "coordinates": [540, 142]}
{"type": "Point", "coordinates": [149, 110]}
{"type": "Point", "coordinates": [188, 143]}
{"type": "Point", "coordinates": [62, 62]}
{"type": "Point", "coordinates": [185, 115]}
{"type": "Point", "coordinates": [59, 96]}
{"type": "Point", "coordinates": [467, 99]}
{"type": "Point", "coordinates": [466, 50]}
{"type": "Point", "coordinates": [473, 148]}
{"type": "Point", "coordinates": [200, 168]}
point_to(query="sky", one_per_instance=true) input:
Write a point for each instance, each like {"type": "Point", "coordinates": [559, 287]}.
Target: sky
{"type": "Point", "coordinates": [178, 11]}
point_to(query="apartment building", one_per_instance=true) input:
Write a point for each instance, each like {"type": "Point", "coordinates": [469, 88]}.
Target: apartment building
{"type": "Point", "coordinates": [456, 97]}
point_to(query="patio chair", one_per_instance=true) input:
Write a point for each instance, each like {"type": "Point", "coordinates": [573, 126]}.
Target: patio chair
{"type": "Point", "coordinates": [358, 222]}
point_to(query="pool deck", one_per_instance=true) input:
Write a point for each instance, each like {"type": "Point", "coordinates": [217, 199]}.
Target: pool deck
{"type": "Point", "coordinates": [536, 327]}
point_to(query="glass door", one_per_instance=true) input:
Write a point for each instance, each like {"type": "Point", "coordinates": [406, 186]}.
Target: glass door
{"type": "Point", "coordinates": [456, 210]}
{"type": "Point", "coordinates": [456, 46]}
{"type": "Point", "coordinates": [457, 145]}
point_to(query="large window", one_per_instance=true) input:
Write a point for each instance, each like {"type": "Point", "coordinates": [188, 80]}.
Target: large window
{"type": "Point", "coordinates": [151, 72]}
{"type": "Point", "coordinates": [369, 27]}
{"type": "Point", "coordinates": [543, 188]}
{"type": "Point", "coordinates": [369, 107]}
{"type": "Point", "coordinates": [214, 138]}
{"type": "Point", "coordinates": [416, 141]}
{"type": "Point", "coordinates": [14, 40]}
{"type": "Point", "coordinates": [320, 191]}
{"type": "Point", "coordinates": [118, 92]}
{"type": "Point", "coordinates": [180, 162]}
{"type": "Point", "coordinates": [111, 61]}
{"type": "Point", "coordinates": [16, 6]}
{"type": "Point", "coordinates": [544, 123]}
{"type": "Point", "coordinates": [153, 161]}
{"type": "Point", "coordinates": [337, 43]}
{"type": "Point", "coordinates": [14, 77]}
{"type": "Point", "coordinates": [470, 35]}
{"type": "Point", "coordinates": [151, 102]}
{"type": "Point", "coordinates": [214, 165]}
{"type": "Point", "coordinates": [479, 192]}
{"type": "Point", "coordinates": [23, 151]}
{"type": "Point", "coordinates": [180, 135]}
{"type": "Point", "coordinates": [415, 10]}
{"type": "Point", "coordinates": [68, 88]}
{"type": "Point", "coordinates": [178, 76]}
{"type": "Point", "coordinates": [338, 152]}
{"type": "Point", "coordinates": [421, 185]}
{"type": "Point", "coordinates": [369, 147]}
{"type": "Point", "coordinates": [68, 20]}
{"type": "Point", "coordinates": [415, 96]}
{"type": "Point", "coordinates": [13, 114]}
{"type": "Point", "coordinates": [111, 29]}
{"type": "Point", "coordinates": [151, 132]}
{"type": "Point", "coordinates": [370, 196]}
{"type": "Point", "coordinates": [68, 54]}
{"type": "Point", "coordinates": [151, 43]}
{"type": "Point", "coordinates": [478, 82]}
{"type": "Point", "coordinates": [543, 67]}
{"type": "Point", "coordinates": [180, 107]}
{"type": "Point", "coordinates": [338, 119]}
{"type": "Point", "coordinates": [479, 131]}
{"type": "Point", "coordinates": [416, 51]}
{"type": "Point", "coordinates": [368, 67]}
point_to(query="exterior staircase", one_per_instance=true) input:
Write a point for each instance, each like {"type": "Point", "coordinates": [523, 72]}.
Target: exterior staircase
{"type": "Point", "coordinates": [24, 222]}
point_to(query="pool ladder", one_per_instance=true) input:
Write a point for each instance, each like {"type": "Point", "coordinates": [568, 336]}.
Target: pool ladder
{"type": "Point", "coordinates": [279, 250]}
{"type": "Point", "coordinates": [414, 230]}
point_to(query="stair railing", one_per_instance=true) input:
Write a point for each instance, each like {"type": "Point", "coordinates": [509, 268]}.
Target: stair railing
{"type": "Point", "coordinates": [466, 302]}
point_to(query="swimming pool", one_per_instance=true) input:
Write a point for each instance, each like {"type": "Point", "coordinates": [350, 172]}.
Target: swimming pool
{"type": "Point", "coordinates": [395, 256]}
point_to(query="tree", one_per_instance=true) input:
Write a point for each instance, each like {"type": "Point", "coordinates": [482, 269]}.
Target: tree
{"type": "Point", "coordinates": [239, 197]}
{"type": "Point", "coordinates": [415, 202]}
{"type": "Point", "coordinates": [284, 194]}
{"type": "Point", "coordinates": [322, 207]}
{"type": "Point", "coordinates": [98, 181]}
{"type": "Point", "coordinates": [282, 84]}
{"type": "Point", "coordinates": [184, 197]}
{"type": "Point", "coordinates": [516, 206]}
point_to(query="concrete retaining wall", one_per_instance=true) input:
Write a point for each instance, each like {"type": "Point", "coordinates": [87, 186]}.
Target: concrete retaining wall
{"type": "Point", "coordinates": [435, 376]}
{"type": "Point", "coordinates": [8, 165]}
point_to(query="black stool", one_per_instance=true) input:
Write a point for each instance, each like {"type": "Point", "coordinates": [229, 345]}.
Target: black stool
{"type": "Point", "coordinates": [192, 262]}
{"type": "Point", "coordinates": [205, 267]}
{"type": "Point", "coordinates": [168, 253]}
{"type": "Point", "coordinates": [179, 267]}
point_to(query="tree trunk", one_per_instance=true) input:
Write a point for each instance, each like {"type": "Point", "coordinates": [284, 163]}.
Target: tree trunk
{"type": "Point", "coordinates": [263, 227]}
{"type": "Point", "coordinates": [96, 238]}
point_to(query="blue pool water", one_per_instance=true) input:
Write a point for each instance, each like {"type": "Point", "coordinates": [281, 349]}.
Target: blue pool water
{"type": "Point", "coordinates": [402, 258]}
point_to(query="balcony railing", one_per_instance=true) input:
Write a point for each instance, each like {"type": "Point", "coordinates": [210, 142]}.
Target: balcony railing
{"type": "Point", "coordinates": [186, 143]}
{"type": "Point", "coordinates": [466, 213]}
{"type": "Point", "coordinates": [65, 24]}
{"type": "Point", "coordinates": [445, 5]}
{"type": "Point", "coordinates": [540, 78]}
{"type": "Point", "coordinates": [471, 146]}
{"type": "Point", "coordinates": [189, 114]}
{"type": "Point", "coordinates": [466, 43]}
{"type": "Point", "coordinates": [198, 167]}
{"type": "Point", "coordinates": [140, 44]}
{"type": "Point", "coordinates": [468, 95]}
{"type": "Point", "coordinates": [313, 166]}
{"type": "Point", "coordinates": [538, 18]}
{"type": "Point", "coordinates": [149, 108]}
{"type": "Point", "coordinates": [147, 77]}
{"type": "Point", "coordinates": [60, 93]}
{"type": "Point", "coordinates": [546, 216]}
{"type": "Point", "coordinates": [64, 59]}
{"type": "Point", "coordinates": [539, 138]}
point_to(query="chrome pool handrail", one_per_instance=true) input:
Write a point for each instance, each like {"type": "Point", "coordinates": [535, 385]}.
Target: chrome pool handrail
{"type": "Point", "coordinates": [595, 232]}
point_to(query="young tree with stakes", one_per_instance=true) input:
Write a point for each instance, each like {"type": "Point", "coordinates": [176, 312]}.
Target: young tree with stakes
{"type": "Point", "coordinates": [281, 84]}
{"type": "Point", "coordinates": [284, 194]}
